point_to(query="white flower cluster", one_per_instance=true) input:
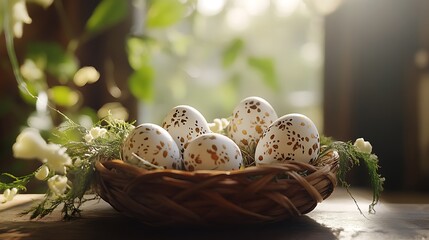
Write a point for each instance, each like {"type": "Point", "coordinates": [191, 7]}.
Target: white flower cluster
{"type": "Point", "coordinates": [58, 184]}
{"type": "Point", "coordinates": [9, 194]}
{"type": "Point", "coordinates": [363, 146]}
{"type": "Point", "coordinates": [18, 14]}
{"type": "Point", "coordinates": [95, 132]}
{"type": "Point", "coordinates": [218, 125]}
{"type": "Point", "coordinates": [30, 145]}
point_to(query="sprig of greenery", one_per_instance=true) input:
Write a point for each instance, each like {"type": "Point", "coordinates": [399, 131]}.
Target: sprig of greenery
{"type": "Point", "coordinates": [84, 155]}
{"type": "Point", "coordinates": [19, 183]}
{"type": "Point", "coordinates": [350, 156]}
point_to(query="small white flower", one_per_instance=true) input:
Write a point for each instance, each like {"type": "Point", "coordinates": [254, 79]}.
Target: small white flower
{"type": "Point", "coordinates": [19, 14]}
{"type": "Point", "coordinates": [42, 173]}
{"type": "Point", "coordinates": [225, 122]}
{"type": "Point", "coordinates": [94, 133]}
{"type": "Point", "coordinates": [86, 75]}
{"type": "Point", "coordinates": [58, 184]}
{"type": "Point", "coordinates": [19, 17]}
{"type": "Point", "coordinates": [97, 132]}
{"type": "Point", "coordinates": [218, 125]}
{"type": "Point", "coordinates": [29, 144]}
{"type": "Point", "coordinates": [9, 194]}
{"type": "Point", "coordinates": [363, 146]}
{"type": "Point", "coordinates": [56, 158]}
{"type": "Point", "coordinates": [88, 137]}
{"type": "Point", "coordinates": [31, 71]}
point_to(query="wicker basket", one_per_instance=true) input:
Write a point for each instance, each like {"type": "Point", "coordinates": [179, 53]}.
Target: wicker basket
{"type": "Point", "coordinates": [260, 194]}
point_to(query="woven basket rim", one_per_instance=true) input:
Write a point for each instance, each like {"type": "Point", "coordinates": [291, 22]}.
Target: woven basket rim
{"type": "Point", "coordinates": [293, 188]}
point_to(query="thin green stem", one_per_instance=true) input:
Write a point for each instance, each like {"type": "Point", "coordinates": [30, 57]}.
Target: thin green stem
{"type": "Point", "coordinates": [14, 60]}
{"type": "Point", "coordinates": [11, 49]}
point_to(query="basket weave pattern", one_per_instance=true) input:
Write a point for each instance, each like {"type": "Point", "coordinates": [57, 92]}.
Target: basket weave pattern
{"type": "Point", "coordinates": [260, 194]}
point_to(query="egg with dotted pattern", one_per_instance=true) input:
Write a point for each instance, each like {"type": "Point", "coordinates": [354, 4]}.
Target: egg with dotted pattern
{"type": "Point", "coordinates": [185, 123]}
{"type": "Point", "coordinates": [292, 137]}
{"type": "Point", "coordinates": [249, 120]}
{"type": "Point", "coordinates": [212, 151]}
{"type": "Point", "coordinates": [153, 144]}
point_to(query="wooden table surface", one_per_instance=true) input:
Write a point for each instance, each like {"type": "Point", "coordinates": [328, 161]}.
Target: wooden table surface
{"type": "Point", "coordinates": [399, 216]}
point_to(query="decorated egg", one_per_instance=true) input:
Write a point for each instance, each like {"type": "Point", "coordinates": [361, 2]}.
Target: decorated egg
{"type": "Point", "coordinates": [291, 137]}
{"type": "Point", "coordinates": [249, 120]}
{"type": "Point", "coordinates": [212, 151]}
{"type": "Point", "coordinates": [153, 144]}
{"type": "Point", "coordinates": [185, 123]}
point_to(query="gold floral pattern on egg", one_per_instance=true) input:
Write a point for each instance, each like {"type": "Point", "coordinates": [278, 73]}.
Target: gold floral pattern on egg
{"type": "Point", "coordinates": [249, 120]}
{"type": "Point", "coordinates": [292, 137]}
{"type": "Point", "coordinates": [212, 152]}
{"type": "Point", "coordinates": [185, 123]}
{"type": "Point", "coordinates": [153, 144]}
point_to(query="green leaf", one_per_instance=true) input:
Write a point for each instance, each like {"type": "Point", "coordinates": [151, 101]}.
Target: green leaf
{"type": "Point", "coordinates": [141, 83]}
{"type": "Point", "coordinates": [106, 14]}
{"type": "Point", "coordinates": [266, 67]}
{"type": "Point", "coordinates": [164, 13]}
{"type": "Point", "coordinates": [232, 51]}
{"type": "Point", "coordinates": [138, 51]}
{"type": "Point", "coordinates": [59, 63]}
{"type": "Point", "coordinates": [27, 97]}
{"type": "Point", "coordinates": [63, 96]}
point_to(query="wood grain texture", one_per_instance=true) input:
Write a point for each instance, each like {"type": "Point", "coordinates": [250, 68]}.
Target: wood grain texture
{"type": "Point", "coordinates": [335, 218]}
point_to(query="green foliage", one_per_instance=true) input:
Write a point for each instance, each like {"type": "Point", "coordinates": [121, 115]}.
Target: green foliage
{"type": "Point", "coordinates": [106, 14]}
{"type": "Point", "coordinates": [138, 52]}
{"type": "Point", "coordinates": [350, 156]}
{"type": "Point", "coordinates": [164, 13]}
{"type": "Point", "coordinates": [265, 66]}
{"type": "Point", "coordinates": [27, 97]}
{"type": "Point", "coordinates": [101, 148]}
{"type": "Point", "coordinates": [10, 181]}
{"type": "Point", "coordinates": [232, 51]}
{"type": "Point", "coordinates": [81, 174]}
{"type": "Point", "coordinates": [141, 83]}
{"type": "Point", "coordinates": [63, 96]}
{"type": "Point", "coordinates": [59, 63]}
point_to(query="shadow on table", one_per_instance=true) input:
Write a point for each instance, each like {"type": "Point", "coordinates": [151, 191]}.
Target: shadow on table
{"type": "Point", "coordinates": [125, 228]}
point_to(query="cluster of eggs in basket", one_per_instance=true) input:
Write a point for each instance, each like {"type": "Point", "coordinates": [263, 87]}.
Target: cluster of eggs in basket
{"type": "Point", "coordinates": [185, 141]}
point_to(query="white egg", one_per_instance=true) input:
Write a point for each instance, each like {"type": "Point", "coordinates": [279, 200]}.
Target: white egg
{"type": "Point", "coordinates": [291, 137]}
{"type": "Point", "coordinates": [212, 151]}
{"type": "Point", "coordinates": [153, 144]}
{"type": "Point", "coordinates": [249, 120]}
{"type": "Point", "coordinates": [185, 123]}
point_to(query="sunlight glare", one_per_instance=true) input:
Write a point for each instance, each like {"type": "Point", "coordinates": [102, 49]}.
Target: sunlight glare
{"type": "Point", "coordinates": [237, 19]}
{"type": "Point", "coordinates": [285, 8]}
{"type": "Point", "coordinates": [253, 7]}
{"type": "Point", "coordinates": [210, 7]}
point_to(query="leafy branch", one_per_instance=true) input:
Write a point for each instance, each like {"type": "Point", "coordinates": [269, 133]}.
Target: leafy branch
{"type": "Point", "coordinates": [84, 154]}
{"type": "Point", "coordinates": [16, 182]}
{"type": "Point", "coordinates": [350, 156]}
